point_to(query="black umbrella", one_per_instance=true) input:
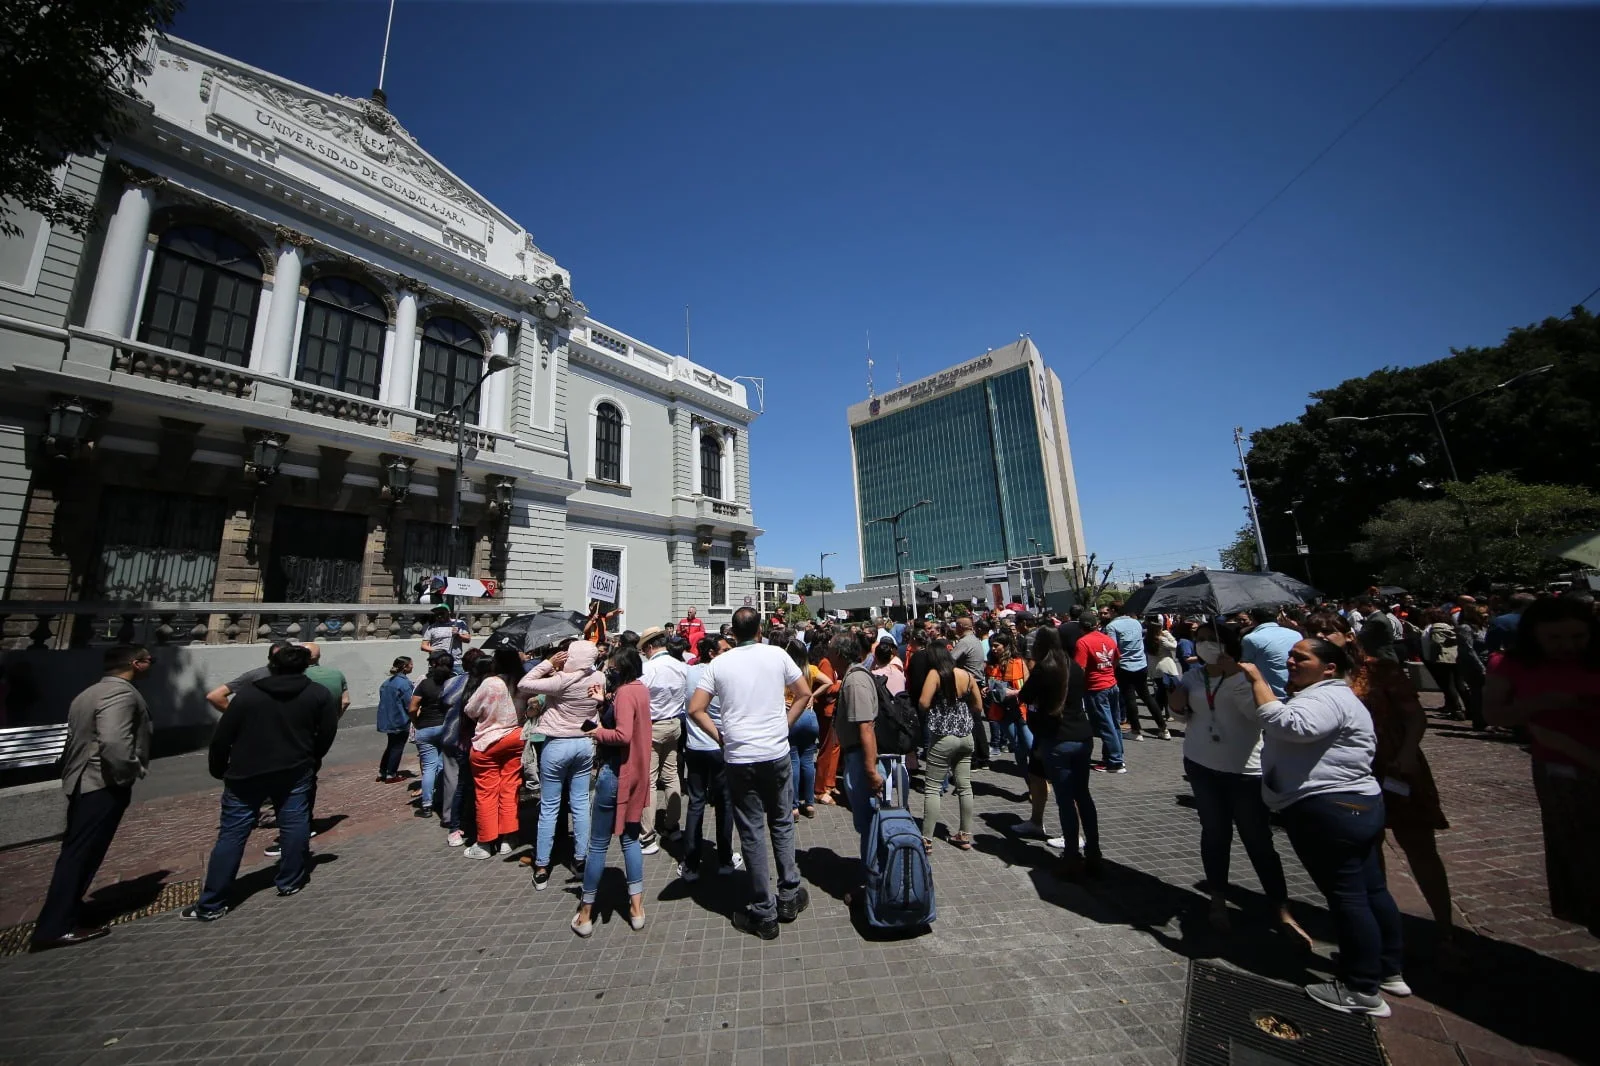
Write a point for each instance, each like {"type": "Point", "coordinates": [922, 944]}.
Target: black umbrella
{"type": "Point", "coordinates": [526, 632]}
{"type": "Point", "coordinates": [1221, 592]}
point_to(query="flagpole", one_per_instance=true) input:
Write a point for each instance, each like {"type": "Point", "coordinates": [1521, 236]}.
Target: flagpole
{"type": "Point", "coordinates": [383, 64]}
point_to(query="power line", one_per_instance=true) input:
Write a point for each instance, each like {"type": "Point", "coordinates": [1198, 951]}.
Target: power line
{"type": "Point", "coordinates": [1284, 188]}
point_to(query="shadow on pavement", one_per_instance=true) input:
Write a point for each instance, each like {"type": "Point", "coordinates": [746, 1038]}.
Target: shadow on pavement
{"type": "Point", "coordinates": [260, 880]}
{"type": "Point", "coordinates": [124, 897]}
{"type": "Point", "coordinates": [1525, 997]}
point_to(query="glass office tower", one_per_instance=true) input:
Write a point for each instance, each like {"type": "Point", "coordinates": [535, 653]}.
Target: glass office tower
{"type": "Point", "coordinates": [986, 442]}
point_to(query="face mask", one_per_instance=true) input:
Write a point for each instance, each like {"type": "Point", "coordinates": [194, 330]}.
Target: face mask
{"type": "Point", "coordinates": [1210, 651]}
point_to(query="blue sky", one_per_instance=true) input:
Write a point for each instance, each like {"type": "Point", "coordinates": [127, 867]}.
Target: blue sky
{"type": "Point", "coordinates": [950, 176]}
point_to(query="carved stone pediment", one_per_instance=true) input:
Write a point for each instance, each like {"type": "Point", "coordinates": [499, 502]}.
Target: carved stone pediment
{"type": "Point", "coordinates": [365, 126]}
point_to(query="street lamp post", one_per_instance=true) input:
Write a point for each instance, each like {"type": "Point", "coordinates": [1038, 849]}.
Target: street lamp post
{"type": "Point", "coordinates": [494, 365]}
{"type": "Point", "coordinates": [1300, 541]}
{"type": "Point", "coordinates": [1433, 412]}
{"type": "Point", "coordinates": [894, 530]}
{"type": "Point", "coordinates": [822, 578]}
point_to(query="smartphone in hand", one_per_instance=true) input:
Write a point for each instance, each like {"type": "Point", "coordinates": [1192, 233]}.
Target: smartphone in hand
{"type": "Point", "coordinates": [590, 725]}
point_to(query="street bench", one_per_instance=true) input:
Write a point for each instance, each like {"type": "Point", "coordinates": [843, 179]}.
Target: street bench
{"type": "Point", "coordinates": [31, 745]}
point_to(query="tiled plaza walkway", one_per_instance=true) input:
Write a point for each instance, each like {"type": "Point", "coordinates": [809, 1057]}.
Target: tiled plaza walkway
{"type": "Point", "coordinates": [402, 950]}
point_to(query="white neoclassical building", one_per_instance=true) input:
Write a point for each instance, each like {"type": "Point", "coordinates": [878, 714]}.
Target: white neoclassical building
{"type": "Point", "coordinates": [231, 412]}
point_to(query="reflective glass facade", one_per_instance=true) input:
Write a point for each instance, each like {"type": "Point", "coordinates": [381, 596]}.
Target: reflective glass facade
{"type": "Point", "coordinates": [975, 453]}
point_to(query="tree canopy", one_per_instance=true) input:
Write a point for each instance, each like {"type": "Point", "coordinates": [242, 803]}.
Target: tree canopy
{"type": "Point", "coordinates": [1339, 474]}
{"type": "Point", "coordinates": [1492, 525]}
{"type": "Point", "coordinates": [66, 71]}
{"type": "Point", "coordinates": [811, 584]}
{"type": "Point", "coordinates": [1241, 554]}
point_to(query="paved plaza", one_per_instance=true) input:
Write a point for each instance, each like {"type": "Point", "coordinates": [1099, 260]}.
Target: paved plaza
{"type": "Point", "coordinates": [403, 950]}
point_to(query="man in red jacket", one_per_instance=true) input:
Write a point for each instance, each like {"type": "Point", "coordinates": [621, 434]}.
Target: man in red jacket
{"type": "Point", "coordinates": [1097, 654]}
{"type": "Point", "coordinates": [692, 629]}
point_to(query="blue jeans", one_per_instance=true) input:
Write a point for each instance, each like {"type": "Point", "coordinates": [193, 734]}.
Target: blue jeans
{"type": "Point", "coordinates": [705, 777]}
{"type": "Point", "coordinates": [602, 818]}
{"type": "Point", "coordinates": [1107, 712]}
{"type": "Point", "coordinates": [289, 792]}
{"type": "Point", "coordinates": [1067, 763]}
{"type": "Point", "coordinates": [803, 756]}
{"type": "Point", "coordinates": [563, 767]}
{"type": "Point", "coordinates": [1224, 801]}
{"type": "Point", "coordinates": [1337, 836]}
{"type": "Point", "coordinates": [1021, 739]}
{"type": "Point", "coordinates": [863, 799]}
{"type": "Point", "coordinates": [455, 784]}
{"type": "Point", "coordinates": [428, 754]}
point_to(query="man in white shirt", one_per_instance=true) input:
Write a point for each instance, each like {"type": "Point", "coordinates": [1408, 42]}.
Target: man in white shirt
{"type": "Point", "coordinates": [748, 683]}
{"type": "Point", "coordinates": [667, 678]}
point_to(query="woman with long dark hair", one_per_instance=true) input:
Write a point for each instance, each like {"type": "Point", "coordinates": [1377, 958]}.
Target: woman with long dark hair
{"type": "Point", "coordinates": [496, 754]}
{"type": "Point", "coordinates": [951, 705]}
{"type": "Point", "coordinates": [1063, 739]}
{"type": "Point", "coordinates": [622, 776]}
{"type": "Point", "coordinates": [1549, 681]}
{"type": "Point", "coordinates": [1316, 774]}
{"type": "Point", "coordinates": [1222, 760]}
{"type": "Point", "coordinates": [427, 711]}
{"type": "Point", "coordinates": [563, 681]}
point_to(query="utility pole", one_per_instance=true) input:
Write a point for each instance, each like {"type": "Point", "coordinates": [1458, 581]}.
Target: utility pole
{"type": "Point", "coordinates": [1250, 498]}
{"type": "Point", "coordinates": [822, 576]}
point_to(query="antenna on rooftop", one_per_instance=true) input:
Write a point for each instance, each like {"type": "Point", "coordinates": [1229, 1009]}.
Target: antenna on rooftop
{"type": "Point", "coordinates": [897, 370]}
{"type": "Point", "coordinates": [870, 392]}
{"type": "Point", "coordinates": [686, 331]}
{"type": "Point", "coordinates": [383, 64]}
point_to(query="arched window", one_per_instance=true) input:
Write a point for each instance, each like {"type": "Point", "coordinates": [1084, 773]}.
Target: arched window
{"type": "Point", "coordinates": [607, 443]}
{"type": "Point", "coordinates": [341, 346]}
{"type": "Point", "coordinates": [452, 362]}
{"type": "Point", "coordinates": [204, 291]}
{"type": "Point", "coordinates": [711, 465]}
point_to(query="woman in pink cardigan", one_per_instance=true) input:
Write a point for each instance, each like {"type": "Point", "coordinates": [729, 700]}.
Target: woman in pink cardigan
{"type": "Point", "coordinates": [622, 774]}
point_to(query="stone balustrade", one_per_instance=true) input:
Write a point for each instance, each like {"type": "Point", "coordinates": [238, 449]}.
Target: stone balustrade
{"type": "Point", "coordinates": [76, 625]}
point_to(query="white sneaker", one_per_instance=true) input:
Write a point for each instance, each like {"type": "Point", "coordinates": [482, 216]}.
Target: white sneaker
{"type": "Point", "coordinates": [1027, 829]}
{"type": "Point", "coordinates": [1059, 843]}
{"type": "Point", "coordinates": [1395, 986]}
{"type": "Point", "coordinates": [1336, 996]}
{"type": "Point", "coordinates": [649, 844]}
{"type": "Point", "coordinates": [688, 873]}
{"type": "Point", "coordinates": [478, 851]}
{"type": "Point", "coordinates": [503, 848]}
{"type": "Point", "coordinates": [456, 838]}
{"type": "Point", "coordinates": [733, 867]}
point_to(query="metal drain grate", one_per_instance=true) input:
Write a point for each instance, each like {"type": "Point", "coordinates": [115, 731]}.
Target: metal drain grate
{"type": "Point", "coordinates": [15, 939]}
{"type": "Point", "coordinates": [1232, 1018]}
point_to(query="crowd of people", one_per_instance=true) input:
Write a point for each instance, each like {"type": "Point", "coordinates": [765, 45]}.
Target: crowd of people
{"type": "Point", "coordinates": [1302, 717]}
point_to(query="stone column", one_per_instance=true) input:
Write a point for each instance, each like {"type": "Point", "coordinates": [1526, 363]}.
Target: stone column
{"type": "Point", "coordinates": [497, 390]}
{"type": "Point", "coordinates": [116, 282]}
{"type": "Point", "coordinates": [399, 392]}
{"type": "Point", "coordinates": [283, 314]}
{"type": "Point", "coordinates": [730, 491]}
{"type": "Point", "coordinates": [694, 459]}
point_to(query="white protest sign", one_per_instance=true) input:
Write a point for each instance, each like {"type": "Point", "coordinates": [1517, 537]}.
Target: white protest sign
{"type": "Point", "coordinates": [464, 586]}
{"type": "Point", "coordinates": [792, 599]}
{"type": "Point", "coordinates": [602, 586]}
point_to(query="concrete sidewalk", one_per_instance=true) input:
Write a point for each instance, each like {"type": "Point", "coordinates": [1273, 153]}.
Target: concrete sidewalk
{"type": "Point", "coordinates": [403, 949]}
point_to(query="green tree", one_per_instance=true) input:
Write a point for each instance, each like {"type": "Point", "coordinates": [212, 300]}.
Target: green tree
{"type": "Point", "coordinates": [1241, 554]}
{"type": "Point", "coordinates": [1493, 525]}
{"type": "Point", "coordinates": [1337, 474]}
{"type": "Point", "coordinates": [66, 73]}
{"type": "Point", "coordinates": [798, 612]}
{"type": "Point", "coordinates": [811, 584]}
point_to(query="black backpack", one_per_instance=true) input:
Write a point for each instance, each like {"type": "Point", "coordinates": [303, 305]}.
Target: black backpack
{"type": "Point", "coordinates": [898, 727]}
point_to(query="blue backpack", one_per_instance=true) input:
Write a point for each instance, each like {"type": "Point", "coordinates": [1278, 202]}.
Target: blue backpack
{"type": "Point", "coordinates": [899, 876]}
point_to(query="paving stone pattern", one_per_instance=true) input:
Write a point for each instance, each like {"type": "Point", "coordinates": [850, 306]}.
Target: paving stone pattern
{"type": "Point", "coordinates": [401, 949]}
